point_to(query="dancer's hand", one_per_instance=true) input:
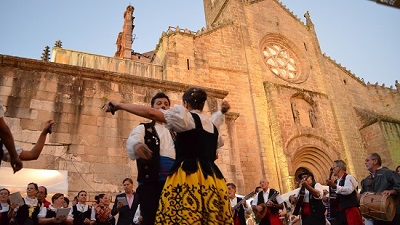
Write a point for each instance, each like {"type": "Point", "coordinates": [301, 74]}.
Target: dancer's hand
{"type": "Point", "coordinates": [143, 151]}
{"type": "Point", "coordinates": [16, 163]}
{"type": "Point", "coordinates": [225, 107]}
{"type": "Point", "coordinates": [48, 127]}
{"type": "Point", "coordinates": [110, 106]}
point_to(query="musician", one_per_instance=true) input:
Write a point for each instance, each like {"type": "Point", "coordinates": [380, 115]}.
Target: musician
{"type": "Point", "coordinates": [312, 208]}
{"type": "Point", "coordinates": [262, 202]}
{"type": "Point", "coordinates": [346, 187]}
{"type": "Point", "coordinates": [382, 181]}
{"type": "Point", "coordinates": [238, 214]}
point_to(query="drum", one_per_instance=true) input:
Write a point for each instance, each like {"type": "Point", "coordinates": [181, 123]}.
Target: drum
{"type": "Point", "coordinates": [377, 206]}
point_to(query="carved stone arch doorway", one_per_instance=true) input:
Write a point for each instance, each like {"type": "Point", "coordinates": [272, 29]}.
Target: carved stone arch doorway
{"type": "Point", "coordinates": [314, 160]}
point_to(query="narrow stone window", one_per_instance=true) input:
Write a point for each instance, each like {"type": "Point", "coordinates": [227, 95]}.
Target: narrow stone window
{"type": "Point", "coordinates": [187, 63]}
{"type": "Point", "coordinates": [305, 46]}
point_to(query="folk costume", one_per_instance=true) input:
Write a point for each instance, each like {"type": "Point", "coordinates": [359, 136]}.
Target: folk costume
{"type": "Point", "coordinates": [4, 209]}
{"type": "Point", "coordinates": [273, 217]}
{"type": "Point", "coordinates": [52, 212]}
{"type": "Point", "coordinates": [80, 212]}
{"type": "Point", "coordinates": [152, 173]}
{"type": "Point", "coordinates": [348, 211]}
{"type": "Point", "coordinates": [195, 192]}
{"type": "Point", "coordinates": [29, 213]}
{"type": "Point", "coordinates": [313, 210]}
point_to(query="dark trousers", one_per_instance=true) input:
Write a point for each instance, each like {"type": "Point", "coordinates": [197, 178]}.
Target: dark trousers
{"type": "Point", "coordinates": [149, 196]}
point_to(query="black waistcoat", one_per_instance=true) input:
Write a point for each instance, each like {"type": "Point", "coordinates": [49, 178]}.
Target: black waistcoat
{"type": "Point", "coordinates": [23, 213]}
{"type": "Point", "coordinates": [316, 206]}
{"type": "Point", "coordinates": [50, 214]}
{"type": "Point", "coordinates": [79, 217]}
{"type": "Point", "coordinates": [148, 170]}
{"type": "Point", "coordinates": [262, 200]}
{"type": "Point", "coordinates": [197, 146]}
{"type": "Point", "coordinates": [347, 201]}
{"type": "Point", "coordinates": [4, 220]}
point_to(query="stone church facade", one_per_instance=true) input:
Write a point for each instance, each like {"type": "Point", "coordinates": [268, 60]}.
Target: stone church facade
{"type": "Point", "coordinates": [293, 107]}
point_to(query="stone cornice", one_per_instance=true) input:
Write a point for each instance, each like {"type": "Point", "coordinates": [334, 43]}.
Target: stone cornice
{"type": "Point", "coordinates": [266, 83]}
{"type": "Point", "coordinates": [374, 118]}
{"type": "Point", "coordinates": [68, 70]}
{"type": "Point", "coordinates": [232, 116]}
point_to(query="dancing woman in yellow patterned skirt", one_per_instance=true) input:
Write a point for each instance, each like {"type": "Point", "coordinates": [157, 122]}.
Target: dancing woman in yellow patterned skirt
{"type": "Point", "coordinates": [195, 191]}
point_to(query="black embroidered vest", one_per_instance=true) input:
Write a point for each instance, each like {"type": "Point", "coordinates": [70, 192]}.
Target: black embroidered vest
{"type": "Point", "coordinates": [262, 200]}
{"type": "Point", "coordinates": [148, 170]}
{"type": "Point", "coordinates": [347, 201]}
{"type": "Point", "coordinates": [79, 217]}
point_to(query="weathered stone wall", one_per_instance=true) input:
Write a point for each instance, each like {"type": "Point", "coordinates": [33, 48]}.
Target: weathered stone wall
{"type": "Point", "coordinates": [76, 58]}
{"type": "Point", "coordinates": [383, 137]}
{"type": "Point", "coordinates": [86, 142]}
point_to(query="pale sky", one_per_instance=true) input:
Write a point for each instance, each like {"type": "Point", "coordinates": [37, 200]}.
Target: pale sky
{"type": "Point", "coordinates": [361, 35]}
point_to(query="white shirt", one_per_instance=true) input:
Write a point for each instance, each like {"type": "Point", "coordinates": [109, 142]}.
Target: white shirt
{"type": "Point", "coordinates": [4, 207]}
{"type": "Point", "coordinates": [167, 148]}
{"type": "Point", "coordinates": [82, 208]}
{"type": "Point", "coordinates": [317, 187]}
{"type": "Point", "coordinates": [350, 184]}
{"type": "Point", "coordinates": [179, 119]}
{"type": "Point", "coordinates": [136, 216]}
{"type": "Point", "coordinates": [33, 202]}
{"type": "Point", "coordinates": [6, 156]}
{"type": "Point", "coordinates": [234, 202]}
{"type": "Point", "coordinates": [217, 119]}
{"type": "Point", "coordinates": [266, 195]}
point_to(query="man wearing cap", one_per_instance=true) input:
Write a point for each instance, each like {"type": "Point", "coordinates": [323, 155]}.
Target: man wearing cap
{"type": "Point", "coordinates": [312, 208]}
{"type": "Point", "coordinates": [346, 189]}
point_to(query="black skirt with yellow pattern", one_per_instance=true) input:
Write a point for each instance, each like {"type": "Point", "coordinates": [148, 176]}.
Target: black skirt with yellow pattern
{"type": "Point", "coordinates": [194, 199]}
{"type": "Point", "coordinates": [195, 192]}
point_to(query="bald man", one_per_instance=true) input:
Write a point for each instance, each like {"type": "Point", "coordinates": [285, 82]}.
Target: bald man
{"type": "Point", "coordinates": [267, 200]}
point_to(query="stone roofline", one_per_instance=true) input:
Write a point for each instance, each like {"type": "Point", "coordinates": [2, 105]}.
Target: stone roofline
{"type": "Point", "coordinates": [116, 58]}
{"type": "Point", "coordinates": [344, 69]}
{"type": "Point", "coordinates": [84, 72]}
{"type": "Point", "coordinates": [203, 31]}
{"type": "Point", "coordinates": [291, 13]}
{"type": "Point", "coordinates": [358, 79]}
